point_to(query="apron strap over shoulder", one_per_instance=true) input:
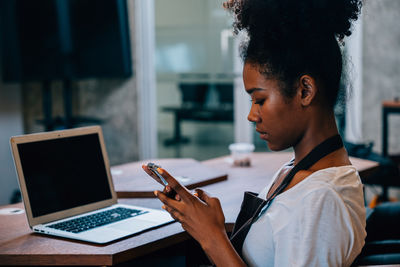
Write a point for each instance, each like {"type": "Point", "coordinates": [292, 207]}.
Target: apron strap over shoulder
{"type": "Point", "coordinates": [252, 206]}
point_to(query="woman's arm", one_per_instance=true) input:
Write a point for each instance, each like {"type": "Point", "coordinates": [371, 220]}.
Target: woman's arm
{"type": "Point", "coordinates": [202, 217]}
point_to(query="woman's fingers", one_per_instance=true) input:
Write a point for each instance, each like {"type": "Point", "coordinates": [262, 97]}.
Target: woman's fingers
{"type": "Point", "coordinates": [149, 172]}
{"type": "Point", "coordinates": [174, 213]}
{"type": "Point", "coordinates": [202, 195]}
{"type": "Point", "coordinates": [144, 167]}
{"type": "Point", "coordinates": [174, 204]}
{"type": "Point", "coordinates": [211, 201]}
{"type": "Point", "coordinates": [182, 192]}
{"type": "Point", "coordinates": [174, 184]}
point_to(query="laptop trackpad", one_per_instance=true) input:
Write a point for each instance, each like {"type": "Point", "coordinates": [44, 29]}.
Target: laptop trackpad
{"type": "Point", "coordinates": [133, 226]}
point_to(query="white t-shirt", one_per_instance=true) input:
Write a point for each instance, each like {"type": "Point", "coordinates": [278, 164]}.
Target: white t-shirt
{"type": "Point", "coordinates": [318, 222]}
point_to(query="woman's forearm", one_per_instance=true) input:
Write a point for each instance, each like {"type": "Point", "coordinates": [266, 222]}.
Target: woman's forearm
{"type": "Point", "coordinates": [221, 252]}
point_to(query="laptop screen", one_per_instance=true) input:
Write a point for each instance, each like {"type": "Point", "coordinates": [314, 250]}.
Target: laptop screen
{"type": "Point", "coordinates": [64, 173]}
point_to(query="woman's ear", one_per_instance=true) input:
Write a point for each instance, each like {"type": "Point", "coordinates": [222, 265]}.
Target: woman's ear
{"type": "Point", "coordinates": [307, 90]}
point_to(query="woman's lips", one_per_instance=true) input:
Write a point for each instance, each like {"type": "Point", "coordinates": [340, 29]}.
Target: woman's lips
{"type": "Point", "coordinates": [263, 135]}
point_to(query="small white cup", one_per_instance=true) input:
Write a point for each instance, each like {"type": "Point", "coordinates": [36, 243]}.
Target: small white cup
{"type": "Point", "coordinates": [240, 153]}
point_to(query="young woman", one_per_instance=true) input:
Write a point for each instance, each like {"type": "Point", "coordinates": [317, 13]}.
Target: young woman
{"type": "Point", "coordinates": [312, 214]}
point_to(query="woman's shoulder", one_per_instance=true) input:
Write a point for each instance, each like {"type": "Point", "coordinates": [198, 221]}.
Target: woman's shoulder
{"type": "Point", "coordinates": [335, 178]}
{"type": "Point", "coordinates": [327, 179]}
{"type": "Point", "coordinates": [335, 189]}
{"type": "Point", "coordinates": [339, 185]}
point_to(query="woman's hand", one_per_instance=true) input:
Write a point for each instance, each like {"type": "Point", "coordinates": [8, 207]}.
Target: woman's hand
{"type": "Point", "coordinates": [200, 215]}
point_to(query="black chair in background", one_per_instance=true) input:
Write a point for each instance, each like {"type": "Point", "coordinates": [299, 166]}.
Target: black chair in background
{"type": "Point", "coordinates": [225, 94]}
{"type": "Point", "coordinates": [391, 107]}
{"type": "Point", "coordinates": [388, 174]}
{"type": "Point", "coordinates": [382, 245]}
{"type": "Point", "coordinates": [193, 95]}
{"type": "Point", "coordinates": [194, 107]}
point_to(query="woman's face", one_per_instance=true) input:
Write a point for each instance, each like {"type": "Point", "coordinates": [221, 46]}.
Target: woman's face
{"type": "Point", "coordinates": [277, 118]}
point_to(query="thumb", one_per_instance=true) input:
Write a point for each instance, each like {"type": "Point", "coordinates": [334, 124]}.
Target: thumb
{"type": "Point", "coordinates": [202, 195]}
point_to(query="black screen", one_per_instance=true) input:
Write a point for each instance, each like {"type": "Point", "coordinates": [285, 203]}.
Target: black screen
{"type": "Point", "coordinates": [64, 173]}
{"type": "Point", "coordinates": [64, 39]}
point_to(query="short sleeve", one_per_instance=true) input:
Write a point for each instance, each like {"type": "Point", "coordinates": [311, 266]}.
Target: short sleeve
{"type": "Point", "coordinates": [319, 232]}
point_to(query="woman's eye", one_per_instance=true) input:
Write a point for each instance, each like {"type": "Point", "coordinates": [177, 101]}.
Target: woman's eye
{"type": "Point", "coordinates": [259, 102]}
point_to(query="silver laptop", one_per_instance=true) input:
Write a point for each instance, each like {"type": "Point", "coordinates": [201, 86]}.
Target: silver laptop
{"type": "Point", "coordinates": [66, 185]}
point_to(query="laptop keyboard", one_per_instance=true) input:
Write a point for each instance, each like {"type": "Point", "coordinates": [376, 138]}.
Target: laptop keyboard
{"type": "Point", "coordinates": [95, 220]}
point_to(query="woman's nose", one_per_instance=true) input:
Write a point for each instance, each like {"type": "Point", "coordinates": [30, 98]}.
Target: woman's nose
{"type": "Point", "coordinates": [253, 115]}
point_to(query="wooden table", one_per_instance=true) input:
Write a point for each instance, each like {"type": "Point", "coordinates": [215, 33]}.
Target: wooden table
{"type": "Point", "coordinates": [20, 246]}
{"type": "Point", "coordinates": [130, 181]}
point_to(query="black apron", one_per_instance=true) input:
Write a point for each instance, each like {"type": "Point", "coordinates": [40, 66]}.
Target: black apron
{"type": "Point", "coordinates": [252, 205]}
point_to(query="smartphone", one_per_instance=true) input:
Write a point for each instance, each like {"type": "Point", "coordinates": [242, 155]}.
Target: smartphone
{"type": "Point", "coordinates": [153, 168]}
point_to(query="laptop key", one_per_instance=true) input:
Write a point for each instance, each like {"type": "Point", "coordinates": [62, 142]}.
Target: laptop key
{"type": "Point", "coordinates": [95, 220]}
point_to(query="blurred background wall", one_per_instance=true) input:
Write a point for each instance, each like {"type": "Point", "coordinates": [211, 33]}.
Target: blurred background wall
{"type": "Point", "coordinates": [10, 124]}
{"type": "Point", "coordinates": [381, 70]}
{"type": "Point", "coordinates": [111, 100]}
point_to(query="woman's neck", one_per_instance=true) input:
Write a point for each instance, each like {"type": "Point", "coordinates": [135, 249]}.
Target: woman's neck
{"type": "Point", "coordinates": [319, 129]}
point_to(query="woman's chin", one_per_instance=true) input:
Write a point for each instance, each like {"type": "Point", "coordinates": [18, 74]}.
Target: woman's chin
{"type": "Point", "coordinates": [275, 147]}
